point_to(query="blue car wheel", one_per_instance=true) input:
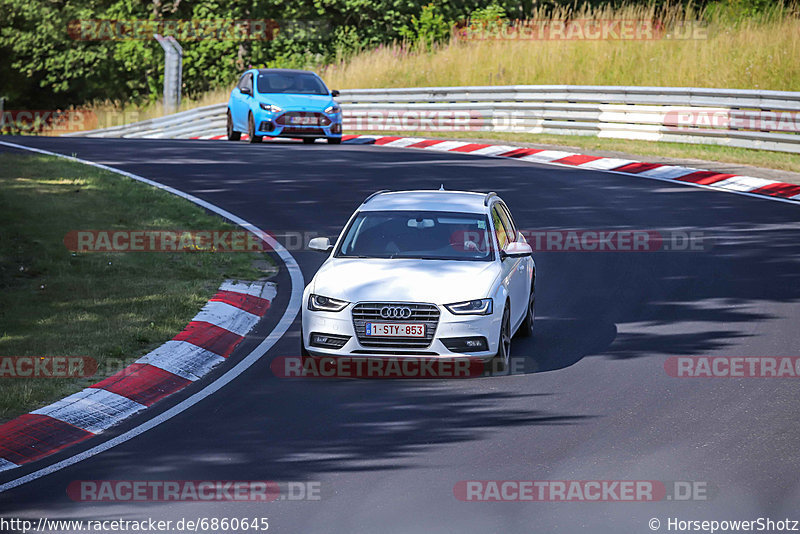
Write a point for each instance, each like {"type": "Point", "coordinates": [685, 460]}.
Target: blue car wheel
{"type": "Point", "coordinates": [233, 135]}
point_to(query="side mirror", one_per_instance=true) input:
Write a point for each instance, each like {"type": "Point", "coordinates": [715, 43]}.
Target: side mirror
{"type": "Point", "coordinates": [516, 250]}
{"type": "Point", "coordinates": [321, 244]}
{"type": "Point", "coordinates": [335, 93]}
{"type": "Point", "coordinates": [245, 91]}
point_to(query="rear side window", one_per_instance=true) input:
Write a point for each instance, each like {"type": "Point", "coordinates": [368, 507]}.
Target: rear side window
{"type": "Point", "coordinates": [507, 222]}
{"type": "Point", "coordinates": [499, 228]}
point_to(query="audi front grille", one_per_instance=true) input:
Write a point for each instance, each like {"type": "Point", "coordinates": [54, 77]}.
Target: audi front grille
{"type": "Point", "coordinates": [370, 312]}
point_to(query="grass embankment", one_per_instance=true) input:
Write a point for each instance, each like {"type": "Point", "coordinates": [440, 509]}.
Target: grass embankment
{"type": "Point", "coordinates": [113, 307]}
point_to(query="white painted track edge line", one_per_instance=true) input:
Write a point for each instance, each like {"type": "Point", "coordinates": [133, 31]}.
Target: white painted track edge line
{"type": "Point", "coordinates": [5, 464]}
{"type": "Point", "coordinates": [286, 320]}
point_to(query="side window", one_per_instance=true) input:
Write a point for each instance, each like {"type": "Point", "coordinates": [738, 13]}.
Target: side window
{"type": "Point", "coordinates": [499, 228]}
{"type": "Point", "coordinates": [507, 222]}
{"type": "Point", "coordinates": [241, 81]}
{"type": "Point", "coordinates": [248, 81]}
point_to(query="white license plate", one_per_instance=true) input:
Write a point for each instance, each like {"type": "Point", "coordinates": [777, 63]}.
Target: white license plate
{"type": "Point", "coordinates": [304, 120]}
{"type": "Point", "coordinates": [395, 330]}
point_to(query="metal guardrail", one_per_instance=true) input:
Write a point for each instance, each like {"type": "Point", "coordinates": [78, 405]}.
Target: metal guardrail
{"type": "Point", "coordinates": [163, 127]}
{"type": "Point", "coordinates": [733, 117]}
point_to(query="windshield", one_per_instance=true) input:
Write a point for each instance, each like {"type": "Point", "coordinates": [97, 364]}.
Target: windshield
{"type": "Point", "coordinates": [303, 83]}
{"type": "Point", "coordinates": [430, 235]}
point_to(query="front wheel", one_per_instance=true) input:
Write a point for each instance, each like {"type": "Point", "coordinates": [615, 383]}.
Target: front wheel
{"type": "Point", "coordinates": [502, 360]}
{"type": "Point", "coordinates": [251, 130]}
{"type": "Point", "coordinates": [233, 135]}
{"type": "Point", "coordinates": [334, 140]}
{"type": "Point", "coordinates": [526, 328]}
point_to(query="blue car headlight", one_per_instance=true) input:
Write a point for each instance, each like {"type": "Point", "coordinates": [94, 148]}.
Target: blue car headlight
{"type": "Point", "coordinates": [272, 108]}
{"type": "Point", "coordinates": [334, 108]}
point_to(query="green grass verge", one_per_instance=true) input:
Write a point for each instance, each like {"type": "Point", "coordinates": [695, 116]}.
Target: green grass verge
{"type": "Point", "coordinates": [721, 154]}
{"type": "Point", "coordinates": [113, 307]}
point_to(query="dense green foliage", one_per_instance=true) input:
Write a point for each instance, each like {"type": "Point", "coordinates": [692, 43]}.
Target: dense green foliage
{"type": "Point", "coordinates": [44, 67]}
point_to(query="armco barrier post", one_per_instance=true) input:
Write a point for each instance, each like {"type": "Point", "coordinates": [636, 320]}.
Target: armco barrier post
{"type": "Point", "coordinates": [173, 72]}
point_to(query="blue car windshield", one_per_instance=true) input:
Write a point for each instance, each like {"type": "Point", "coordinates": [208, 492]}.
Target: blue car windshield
{"type": "Point", "coordinates": [299, 83]}
{"type": "Point", "coordinates": [426, 235]}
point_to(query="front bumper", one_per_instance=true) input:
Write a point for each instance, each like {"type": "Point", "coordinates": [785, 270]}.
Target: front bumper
{"type": "Point", "coordinates": [340, 325]}
{"type": "Point", "coordinates": [280, 124]}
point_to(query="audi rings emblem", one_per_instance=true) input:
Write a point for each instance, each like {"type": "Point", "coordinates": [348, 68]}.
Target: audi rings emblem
{"type": "Point", "coordinates": [395, 312]}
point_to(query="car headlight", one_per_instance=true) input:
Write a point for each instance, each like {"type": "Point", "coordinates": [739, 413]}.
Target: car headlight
{"type": "Point", "coordinates": [272, 108]}
{"type": "Point", "coordinates": [320, 303]}
{"type": "Point", "coordinates": [333, 109]}
{"type": "Point", "coordinates": [471, 307]}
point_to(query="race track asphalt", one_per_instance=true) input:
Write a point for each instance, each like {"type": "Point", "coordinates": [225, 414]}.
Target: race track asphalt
{"type": "Point", "coordinates": [593, 402]}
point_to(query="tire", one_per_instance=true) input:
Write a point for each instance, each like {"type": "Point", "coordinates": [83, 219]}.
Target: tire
{"type": "Point", "coordinates": [334, 140]}
{"type": "Point", "coordinates": [526, 328]}
{"type": "Point", "coordinates": [307, 361]}
{"type": "Point", "coordinates": [303, 352]}
{"type": "Point", "coordinates": [308, 140]}
{"type": "Point", "coordinates": [251, 130]}
{"type": "Point", "coordinates": [502, 360]}
{"type": "Point", "coordinates": [233, 135]}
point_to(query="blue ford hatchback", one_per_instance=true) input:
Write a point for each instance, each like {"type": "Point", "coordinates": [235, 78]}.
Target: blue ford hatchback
{"type": "Point", "coordinates": [283, 103]}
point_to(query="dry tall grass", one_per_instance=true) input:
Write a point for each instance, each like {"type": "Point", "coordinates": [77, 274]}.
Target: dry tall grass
{"type": "Point", "coordinates": [754, 53]}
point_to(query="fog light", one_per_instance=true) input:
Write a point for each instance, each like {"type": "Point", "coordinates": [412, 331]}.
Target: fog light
{"type": "Point", "coordinates": [466, 344]}
{"type": "Point", "coordinates": [336, 128]}
{"type": "Point", "coordinates": [329, 341]}
{"type": "Point", "coordinates": [266, 126]}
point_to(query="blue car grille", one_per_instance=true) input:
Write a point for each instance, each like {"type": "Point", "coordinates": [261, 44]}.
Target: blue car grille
{"type": "Point", "coordinates": [308, 130]}
{"type": "Point", "coordinates": [317, 119]}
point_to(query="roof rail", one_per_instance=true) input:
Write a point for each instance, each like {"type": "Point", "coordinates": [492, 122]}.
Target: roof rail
{"type": "Point", "coordinates": [488, 198]}
{"type": "Point", "coordinates": [375, 194]}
